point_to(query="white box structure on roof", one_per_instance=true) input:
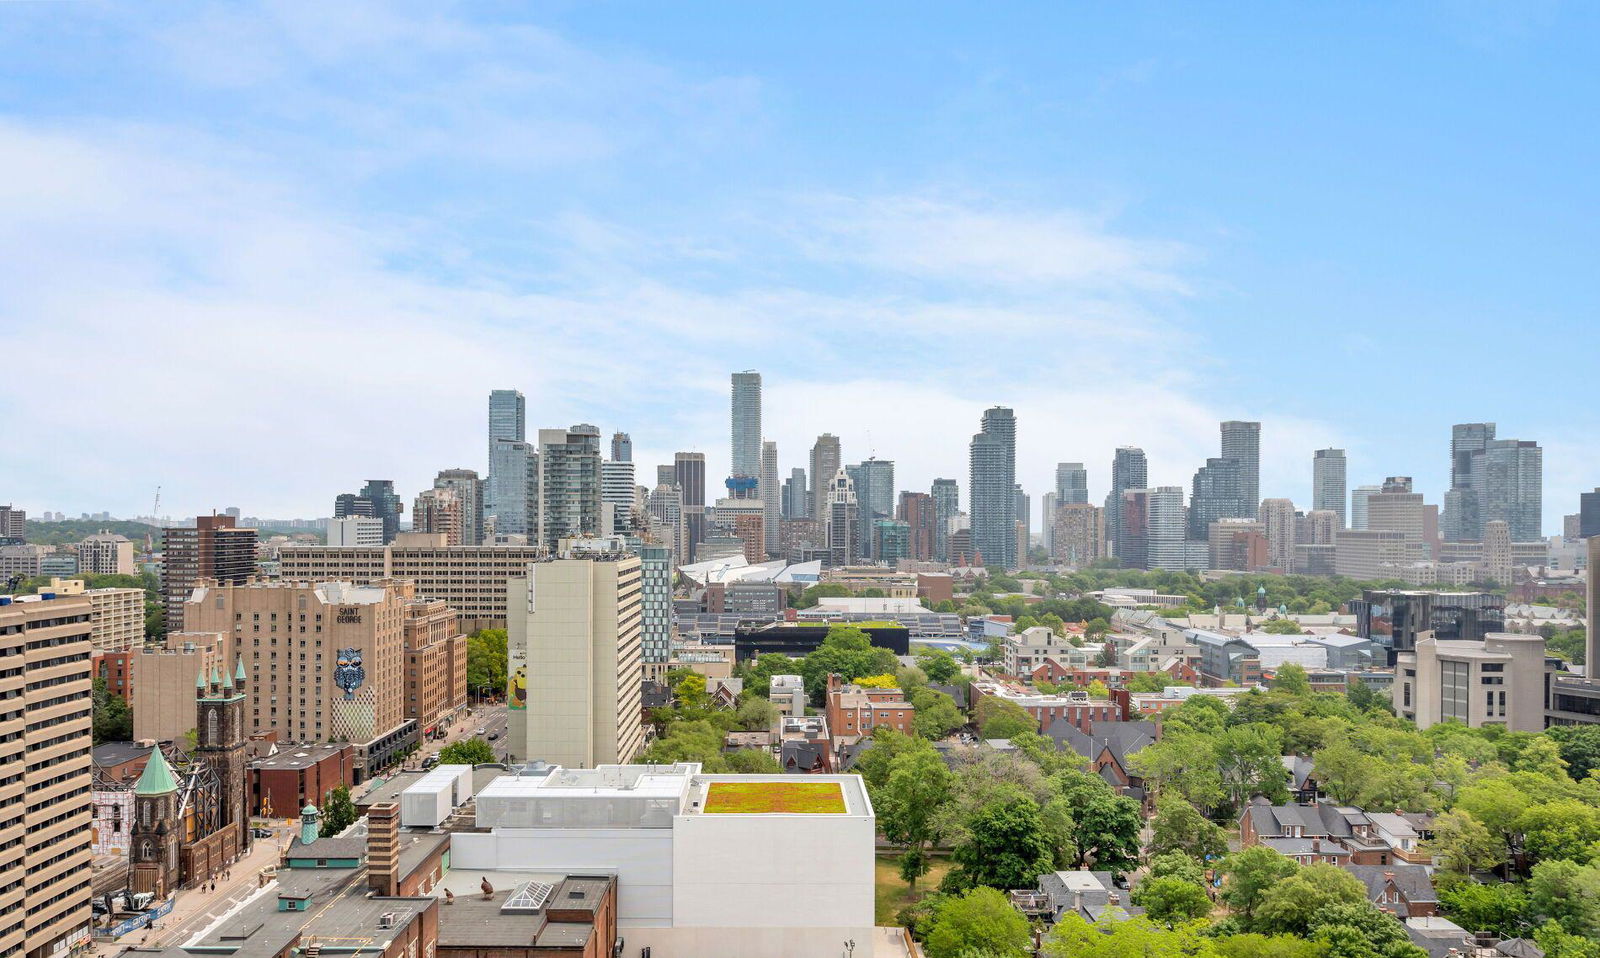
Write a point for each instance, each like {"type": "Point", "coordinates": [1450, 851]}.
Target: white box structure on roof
{"type": "Point", "coordinates": [427, 802]}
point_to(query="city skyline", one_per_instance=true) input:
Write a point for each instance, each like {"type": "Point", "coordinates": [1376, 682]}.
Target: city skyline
{"type": "Point", "coordinates": [494, 226]}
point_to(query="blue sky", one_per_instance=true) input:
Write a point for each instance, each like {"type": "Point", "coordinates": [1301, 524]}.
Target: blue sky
{"type": "Point", "coordinates": [256, 254]}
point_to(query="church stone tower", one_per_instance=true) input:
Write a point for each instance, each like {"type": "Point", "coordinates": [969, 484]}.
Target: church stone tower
{"type": "Point", "coordinates": [219, 725]}
{"type": "Point", "coordinates": [153, 855]}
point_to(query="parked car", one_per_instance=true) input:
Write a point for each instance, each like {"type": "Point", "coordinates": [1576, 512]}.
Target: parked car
{"type": "Point", "coordinates": [493, 736]}
{"type": "Point", "coordinates": [430, 761]}
{"type": "Point", "coordinates": [261, 832]}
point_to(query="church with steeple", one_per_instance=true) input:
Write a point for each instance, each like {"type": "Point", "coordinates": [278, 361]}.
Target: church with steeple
{"type": "Point", "coordinates": [191, 823]}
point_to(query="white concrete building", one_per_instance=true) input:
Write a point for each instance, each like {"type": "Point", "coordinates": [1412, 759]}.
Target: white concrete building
{"type": "Point", "coordinates": [721, 866]}
{"type": "Point", "coordinates": [1499, 681]}
{"type": "Point", "coordinates": [574, 633]}
{"type": "Point", "coordinates": [355, 531]}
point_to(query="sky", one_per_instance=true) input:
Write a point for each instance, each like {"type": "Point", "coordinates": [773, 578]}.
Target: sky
{"type": "Point", "coordinates": [258, 254]}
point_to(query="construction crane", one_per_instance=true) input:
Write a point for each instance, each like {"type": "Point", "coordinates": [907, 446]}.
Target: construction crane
{"type": "Point", "coordinates": [155, 507]}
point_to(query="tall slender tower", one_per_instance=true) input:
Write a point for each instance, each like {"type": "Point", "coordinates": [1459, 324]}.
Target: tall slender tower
{"type": "Point", "coordinates": [745, 459]}
{"type": "Point", "coordinates": [1129, 470]}
{"type": "Point", "coordinates": [946, 503]}
{"type": "Point", "coordinates": [508, 419]}
{"type": "Point", "coordinates": [621, 447]}
{"type": "Point", "coordinates": [689, 473]}
{"type": "Point", "coordinates": [826, 460]}
{"type": "Point", "coordinates": [770, 493]}
{"type": "Point", "coordinates": [1328, 482]}
{"type": "Point", "coordinates": [1072, 484]}
{"type": "Point", "coordinates": [1241, 441]}
{"type": "Point", "coordinates": [994, 481]}
{"type": "Point", "coordinates": [1464, 513]}
{"type": "Point", "coordinates": [569, 484]}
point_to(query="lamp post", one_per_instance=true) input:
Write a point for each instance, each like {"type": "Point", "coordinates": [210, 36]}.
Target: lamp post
{"type": "Point", "coordinates": [850, 947]}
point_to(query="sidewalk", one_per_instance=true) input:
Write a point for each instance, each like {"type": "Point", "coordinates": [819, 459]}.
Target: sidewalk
{"type": "Point", "coordinates": [195, 909]}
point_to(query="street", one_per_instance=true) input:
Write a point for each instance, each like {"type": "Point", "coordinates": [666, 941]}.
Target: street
{"type": "Point", "coordinates": [491, 718]}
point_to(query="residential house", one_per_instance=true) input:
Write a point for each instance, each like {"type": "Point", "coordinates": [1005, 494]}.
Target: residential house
{"type": "Point", "coordinates": [854, 712]}
{"type": "Point", "coordinates": [1350, 828]}
{"type": "Point", "coordinates": [1405, 890]}
{"type": "Point", "coordinates": [1089, 895]}
{"type": "Point", "coordinates": [1107, 746]}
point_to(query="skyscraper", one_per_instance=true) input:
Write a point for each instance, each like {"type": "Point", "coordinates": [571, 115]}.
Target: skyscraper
{"type": "Point", "coordinates": [507, 420]}
{"type": "Point", "coordinates": [826, 459]}
{"type": "Point", "coordinates": [746, 421]}
{"type": "Point", "coordinates": [468, 488]}
{"type": "Point", "coordinates": [1589, 515]}
{"type": "Point", "coordinates": [1241, 441]}
{"type": "Point", "coordinates": [47, 807]}
{"type": "Point", "coordinates": [1463, 502]}
{"type": "Point", "coordinates": [621, 447]}
{"type": "Point", "coordinates": [844, 521]}
{"type": "Point", "coordinates": [214, 549]}
{"type": "Point", "coordinates": [771, 497]}
{"type": "Point", "coordinates": [873, 481]}
{"type": "Point", "coordinates": [516, 504]}
{"type": "Point", "coordinates": [617, 491]}
{"type": "Point", "coordinates": [1513, 487]}
{"type": "Point", "coordinates": [796, 499]}
{"type": "Point", "coordinates": [1328, 482]}
{"type": "Point", "coordinates": [376, 499]}
{"type": "Point", "coordinates": [438, 511]}
{"type": "Point", "coordinates": [1078, 537]}
{"type": "Point", "coordinates": [917, 511]}
{"type": "Point", "coordinates": [1165, 540]}
{"type": "Point", "coordinates": [993, 460]}
{"type": "Point", "coordinates": [1129, 470]}
{"type": "Point", "coordinates": [655, 608]}
{"type": "Point", "coordinates": [1218, 493]}
{"type": "Point", "coordinates": [1072, 483]}
{"type": "Point", "coordinates": [1358, 506]}
{"type": "Point", "coordinates": [689, 473]}
{"type": "Point", "coordinates": [946, 503]}
{"type": "Point", "coordinates": [1278, 517]}
{"type": "Point", "coordinates": [569, 484]}
{"type": "Point", "coordinates": [1023, 511]}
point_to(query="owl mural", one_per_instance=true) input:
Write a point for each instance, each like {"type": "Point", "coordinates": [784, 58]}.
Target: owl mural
{"type": "Point", "coordinates": [348, 674]}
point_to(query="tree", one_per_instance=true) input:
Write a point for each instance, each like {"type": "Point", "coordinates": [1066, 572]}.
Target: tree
{"type": "Point", "coordinates": [1182, 764]}
{"type": "Point", "coordinates": [1005, 848]}
{"type": "Point", "coordinates": [112, 719]}
{"type": "Point", "coordinates": [979, 922]}
{"type": "Point", "coordinates": [877, 762]}
{"type": "Point", "coordinates": [1568, 893]}
{"type": "Point", "coordinates": [939, 665]}
{"type": "Point", "coordinates": [1367, 699]}
{"type": "Point", "coordinates": [1146, 681]}
{"type": "Point", "coordinates": [1095, 628]}
{"type": "Point", "coordinates": [1579, 747]}
{"type": "Point", "coordinates": [1500, 908]}
{"type": "Point", "coordinates": [998, 718]}
{"type": "Point", "coordinates": [1360, 930]}
{"type": "Point", "coordinates": [937, 714]}
{"type": "Point", "coordinates": [848, 652]}
{"type": "Point", "coordinates": [487, 660]}
{"type": "Point", "coordinates": [1172, 900]}
{"type": "Point", "coordinates": [467, 751]}
{"type": "Point", "coordinates": [1179, 827]}
{"type": "Point", "coordinates": [1136, 937]}
{"type": "Point", "coordinates": [755, 714]}
{"type": "Point", "coordinates": [1098, 690]}
{"type": "Point", "coordinates": [1103, 830]}
{"type": "Point", "coordinates": [1251, 761]}
{"type": "Point", "coordinates": [822, 590]}
{"type": "Point", "coordinates": [1291, 678]}
{"type": "Point", "coordinates": [1282, 627]}
{"type": "Point", "coordinates": [1250, 873]}
{"type": "Point", "coordinates": [1463, 845]}
{"type": "Point", "coordinates": [1565, 829]}
{"type": "Point", "coordinates": [1251, 945]}
{"type": "Point", "coordinates": [1288, 906]}
{"type": "Point", "coordinates": [908, 805]}
{"type": "Point", "coordinates": [338, 812]}
{"type": "Point", "coordinates": [1178, 865]}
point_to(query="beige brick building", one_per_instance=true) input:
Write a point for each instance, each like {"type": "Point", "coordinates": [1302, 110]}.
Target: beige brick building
{"type": "Point", "coordinates": [436, 663]}
{"type": "Point", "coordinates": [163, 681]}
{"type": "Point", "coordinates": [106, 553]}
{"type": "Point", "coordinates": [117, 615]}
{"type": "Point", "coordinates": [325, 660]}
{"type": "Point", "coordinates": [471, 579]}
{"type": "Point", "coordinates": [574, 651]}
{"type": "Point", "coordinates": [46, 814]}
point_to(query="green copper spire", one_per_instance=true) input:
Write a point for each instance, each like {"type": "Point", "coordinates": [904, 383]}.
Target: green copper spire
{"type": "Point", "coordinates": [200, 681]}
{"type": "Point", "coordinates": [238, 674]}
{"type": "Point", "coordinates": [216, 675]}
{"type": "Point", "coordinates": [157, 776]}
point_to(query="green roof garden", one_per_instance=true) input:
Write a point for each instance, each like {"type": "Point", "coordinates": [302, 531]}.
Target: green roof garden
{"type": "Point", "coordinates": [775, 798]}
